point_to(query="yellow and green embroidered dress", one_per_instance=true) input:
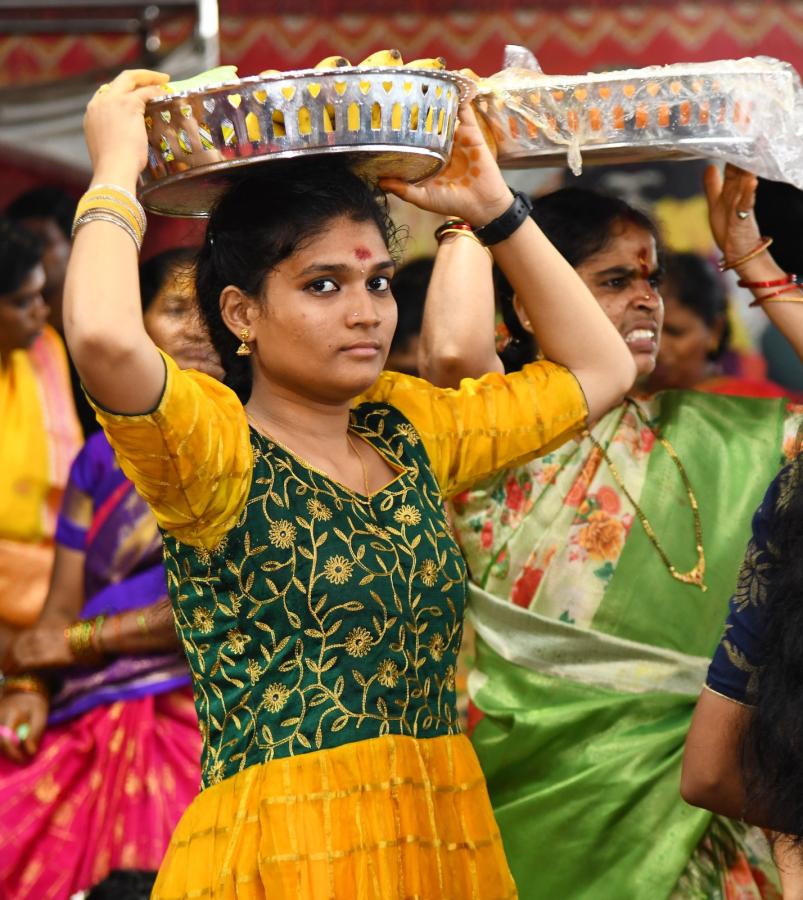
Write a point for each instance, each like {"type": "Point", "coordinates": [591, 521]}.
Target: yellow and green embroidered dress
{"type": "Point", "coordinates": [322, 628]}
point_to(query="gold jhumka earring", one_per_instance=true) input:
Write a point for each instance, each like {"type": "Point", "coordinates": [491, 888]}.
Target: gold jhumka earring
{"type": "Point", "coordinates": [244, 349]}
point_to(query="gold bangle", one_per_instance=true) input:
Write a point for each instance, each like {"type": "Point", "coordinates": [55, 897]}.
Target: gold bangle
{"type": "Point", "coordinates": [114, 189]}
{"type": "Point", "coordinates": [119, 196]}
{"type": "Point", "coordinates": [104, 215]}
{"type": "Point", "coordinates": [80, 639]}
{"type": "Point", "coordinates": [112, 205]}
{"type": "Point", "coordinates": [724, 265]}
{"type": "Point", "coordinates": [29, 684]}
{"type": "Point", "coordinates": [109, 203]}
{"type": "Point", "coordinates": [468, 234]}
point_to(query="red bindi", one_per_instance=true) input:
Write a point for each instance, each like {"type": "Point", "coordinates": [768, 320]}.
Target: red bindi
{"type": "Point", "coordinates": [362, 253]}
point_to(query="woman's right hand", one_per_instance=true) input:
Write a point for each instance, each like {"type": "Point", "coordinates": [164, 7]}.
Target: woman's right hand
{"type": "Point", "coordinates": [22, 708]}
{"type": "Point", "coordinates": [41, 647]}
{"type": "Point", "coordinates": [470, 186]}
{"type": "Point", "coordinates": [114, 125]}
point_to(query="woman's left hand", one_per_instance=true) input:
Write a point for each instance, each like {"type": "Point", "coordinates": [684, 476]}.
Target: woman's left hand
{"type": "Point", "coordinates": [471, 186]}
{"type": "Point", "coordinates": [23, 717]}
{"type": "Point", "coordinates": [736, 235]}
{"type": "Point", "coordinates": [41, 647]}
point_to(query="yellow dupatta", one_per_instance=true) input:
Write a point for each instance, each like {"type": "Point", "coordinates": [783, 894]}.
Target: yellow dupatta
{"type": "Point", "coordinates": [39, 437]}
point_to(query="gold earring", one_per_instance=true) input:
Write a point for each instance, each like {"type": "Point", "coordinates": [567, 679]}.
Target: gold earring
{"type": "Point", "coordinates": [244, 349]}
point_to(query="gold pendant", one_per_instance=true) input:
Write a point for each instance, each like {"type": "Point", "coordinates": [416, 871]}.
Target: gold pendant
{"type": "Point", "coordinates": [694, 576]}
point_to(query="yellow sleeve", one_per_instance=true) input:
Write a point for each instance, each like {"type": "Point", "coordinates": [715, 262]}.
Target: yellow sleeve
{"type": "Point", "coordinates": [489, 423]}
{"type": "Point", "coordinates": [190, 458]}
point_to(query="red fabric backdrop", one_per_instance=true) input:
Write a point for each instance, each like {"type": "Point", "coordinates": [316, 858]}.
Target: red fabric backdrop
{"type": "Point", "coordinates": [566, 38]}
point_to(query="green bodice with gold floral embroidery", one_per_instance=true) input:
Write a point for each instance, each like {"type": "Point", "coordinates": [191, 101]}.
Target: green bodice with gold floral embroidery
{"type": "Point", "coordinates": [324, 617]}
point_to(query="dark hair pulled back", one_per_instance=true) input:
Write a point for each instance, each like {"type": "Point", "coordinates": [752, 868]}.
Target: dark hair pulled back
{"type": "Point", "coordinates": [20, 253]}
{"type": "Point", "coordinates": [772, 756]}
{"type": "Point", "coordinates": [579, 223]}
{"type": "Point", "coordinates": [261, 221]}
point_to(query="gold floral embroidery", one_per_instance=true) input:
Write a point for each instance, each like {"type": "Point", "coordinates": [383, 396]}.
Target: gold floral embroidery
{"type": "Point", "coordinates": [275, 697]}
{"type": "Point", "coordinates": [407, 515]}
{"type": "Point", "coordinates": [214, 772]}
{"type": "Point", "coordinates": [437, 645]}
{"type": "Point", "coordinates": [236, 640]}
{"type": "Point", "coordinates": [358, 642]}
{"type": "Point", "coordinates": [202, 620]}
{"type": "Point", "coordinates": [408, 431]}
{"type": "Point", "coordinates": [753, 581]}
{"type": "Point", "coordinates": [341, 619]}
{"type": "Point", "coordinates": [739, 661]}
{"type": "Point", "coordinates": [429, 572]}
{"type": "Point", "coordinates": [388, 673]}
{"type": "Point", "coordinates": [204, 556]}
{"type": "Point", "coordinates": [450, 677]}
{"type": "Point", "coordinates": [318, 510]}
{"type": "Point", "coordinates": [254, 671]}
{"type": "Point", "coordinates": [338, 569]}
{"type": "Point", "coordinates": [282, 534]}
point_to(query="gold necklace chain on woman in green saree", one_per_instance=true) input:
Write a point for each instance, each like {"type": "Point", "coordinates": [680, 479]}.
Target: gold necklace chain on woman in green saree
{"type": "Point", "coordinates": [696, 574]}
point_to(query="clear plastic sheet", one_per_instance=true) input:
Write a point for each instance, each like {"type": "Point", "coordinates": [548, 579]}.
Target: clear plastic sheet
{"type": "Point", "coordinates": [747, 111]}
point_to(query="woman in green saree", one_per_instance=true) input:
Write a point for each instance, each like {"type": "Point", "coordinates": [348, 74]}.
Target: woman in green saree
{"type": "Point", "coordinates": [601, 574]}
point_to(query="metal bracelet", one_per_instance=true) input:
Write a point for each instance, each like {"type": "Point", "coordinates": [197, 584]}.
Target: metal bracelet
{"type": "Point", "coordinates": [105, 215]}
{"type": "Point", "coordinates": [137, 205]}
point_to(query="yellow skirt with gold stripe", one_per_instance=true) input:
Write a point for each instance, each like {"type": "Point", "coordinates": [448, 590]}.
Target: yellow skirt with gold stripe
{"type": "Point", "coordinates": [391, 818]}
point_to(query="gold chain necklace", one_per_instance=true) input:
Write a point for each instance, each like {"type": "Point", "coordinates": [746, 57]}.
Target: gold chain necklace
{"type": "Point", "coordinates": [362, 463]}
{"type": "Point", "coordinates": [266, 432]}
{"type": "Point", "coordinates": [695, 575]}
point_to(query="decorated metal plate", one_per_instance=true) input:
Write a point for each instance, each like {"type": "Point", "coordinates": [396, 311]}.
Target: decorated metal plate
{"type": "Point", "coordinates": [722, 109]}
{"type": "Point", "coordinates": [391, 122]}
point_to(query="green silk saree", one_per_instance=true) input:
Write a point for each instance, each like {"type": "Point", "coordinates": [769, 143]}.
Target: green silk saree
{"type": "Point", "coordinates": [590, 656]}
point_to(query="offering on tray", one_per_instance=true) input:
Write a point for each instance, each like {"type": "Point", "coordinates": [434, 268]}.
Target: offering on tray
{"type": "Point", "coordinates": [394, 119]}
{"type": "Point", "coordinates": [745, 111]}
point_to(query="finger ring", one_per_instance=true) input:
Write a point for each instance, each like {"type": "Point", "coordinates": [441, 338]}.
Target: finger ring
{"type": "Point", "coordinates": [9, 734]}
{"type": "Point", "coordinates": [23, 731]}
{"type": "Point", "coordinates": [103, 88]}
{"type": "Point", "coordinates": [742, 213]}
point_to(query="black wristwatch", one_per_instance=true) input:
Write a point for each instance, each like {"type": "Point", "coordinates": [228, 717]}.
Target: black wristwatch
{"type": "Point", "coordinates": [500, 228]}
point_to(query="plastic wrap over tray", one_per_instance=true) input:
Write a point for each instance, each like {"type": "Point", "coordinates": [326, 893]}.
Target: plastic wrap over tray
{"type": "Point", "coordinates": [747, 111]}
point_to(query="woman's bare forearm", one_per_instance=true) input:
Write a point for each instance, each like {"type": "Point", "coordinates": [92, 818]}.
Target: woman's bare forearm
{"type": "Point", "coordinates": [117, 361]}
{"type": "Point", "coordinates": [787, 316]}
{"type": "Point", "coordinates": [147, 630]}
{"type": "Point", "coordinates": [457, 334]}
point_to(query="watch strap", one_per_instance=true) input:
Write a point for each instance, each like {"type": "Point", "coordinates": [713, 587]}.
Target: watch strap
{"type": "Point", "coordinates": [502, 227]}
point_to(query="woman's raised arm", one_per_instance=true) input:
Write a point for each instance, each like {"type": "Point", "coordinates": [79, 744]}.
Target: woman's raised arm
{"type": "Point", "coordinates": [731, 200]}
{"type": "Point", "coordinates": [458, 328]}
{"type": "Point", "coordinates": [568, 323]}
{"type": "Point", "coordinates": [118, 363]}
